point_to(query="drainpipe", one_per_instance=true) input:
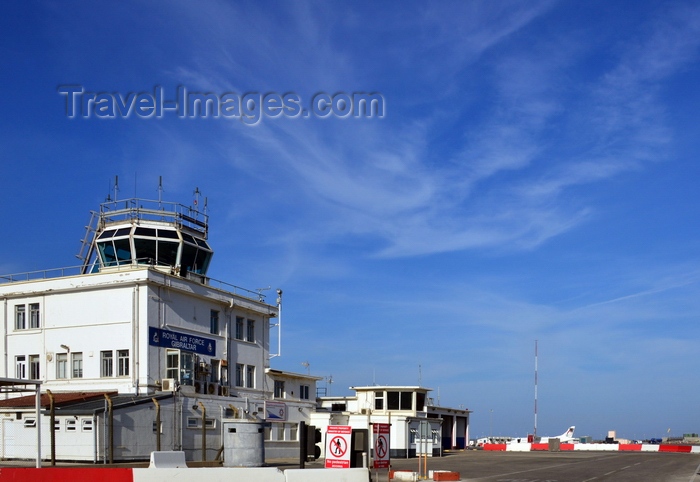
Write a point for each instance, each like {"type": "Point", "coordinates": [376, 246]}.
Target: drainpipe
{"type": "Point", "coordinates": [94, 437]}
{"type": "Point", "coordinates": [7, 368]}
{"type": "Point", "coordinates": [52, 421]}
{"type": "Point", "coordinates": [111, 428]}
{"type": "Point", "coordinates": [135, 337]}
{"type": "Point", "coordinates": [204, 432]}
{"type": "Point", "coordinates": [157, 423]}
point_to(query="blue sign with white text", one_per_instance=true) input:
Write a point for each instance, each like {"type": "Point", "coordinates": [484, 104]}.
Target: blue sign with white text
{"type": "Point", "coordinates": [181, 341]}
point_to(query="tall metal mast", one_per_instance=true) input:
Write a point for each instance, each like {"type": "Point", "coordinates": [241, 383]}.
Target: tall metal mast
{"type": "Point", "coordinates": [535, 432]}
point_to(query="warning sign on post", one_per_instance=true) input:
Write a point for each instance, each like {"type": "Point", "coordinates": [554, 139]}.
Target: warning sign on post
{"type": "Point", "coordinates": [381, 445]}
{"type": "Point", "coordinates": [338, 439]}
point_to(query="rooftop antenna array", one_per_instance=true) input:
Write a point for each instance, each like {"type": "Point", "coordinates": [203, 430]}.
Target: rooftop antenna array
{"type": "Point", "coordinates": [306, 365]}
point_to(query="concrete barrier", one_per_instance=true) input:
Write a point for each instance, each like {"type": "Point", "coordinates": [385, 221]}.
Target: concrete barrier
{"type": "Point", "coordinates": [495, 447]}
{"type": "Point", "coordinates": [54, 474]}
{"type": "Point", "coordinates": [167, 460]}
{"type": "Point", "coordinates": [630, 448]}
{"type": "Point", "coordinates": [403, 475]}
{"type": "Point", "coordinates": [209, 474]}
{"type": "Point", "coordinates": [446, 475]}
{"type": "Point", "coordinates": [324, 475]}
{"type": "Point", "coordinates": [519, 447]}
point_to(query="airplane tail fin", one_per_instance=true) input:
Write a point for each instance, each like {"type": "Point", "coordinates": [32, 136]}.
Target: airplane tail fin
{"type": "Point", "coordinates": [569, 433]}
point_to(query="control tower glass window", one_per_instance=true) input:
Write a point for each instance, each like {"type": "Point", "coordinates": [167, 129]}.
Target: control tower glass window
{"type": "Point", "coordinates": [167, 252]}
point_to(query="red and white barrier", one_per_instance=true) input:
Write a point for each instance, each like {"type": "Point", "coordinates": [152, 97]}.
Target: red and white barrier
{"type": "Point", "coordinates": [213, 474]}
{"type": "Point", "coordinates": [534, 447]}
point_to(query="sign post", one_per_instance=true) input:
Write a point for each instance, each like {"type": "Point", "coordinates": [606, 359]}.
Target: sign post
{"type": "Point", "coordinates": [338, 439]}
{"type": "Point", "coordinates": [381, 445]}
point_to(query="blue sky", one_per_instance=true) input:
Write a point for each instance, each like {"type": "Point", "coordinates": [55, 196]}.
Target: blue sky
{"type": "Point", "coordinates": [534, 177]}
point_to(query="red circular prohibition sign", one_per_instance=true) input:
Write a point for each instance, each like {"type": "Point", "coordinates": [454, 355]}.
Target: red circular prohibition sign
{"type": "Point", "coordinates": [338, 447]}
{"type": "Point", "coordinates": [380, 446]}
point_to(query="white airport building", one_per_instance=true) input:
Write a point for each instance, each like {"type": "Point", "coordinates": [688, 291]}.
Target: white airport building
{"type": "Point", "coordinates": [417, 425]}
{"type": "Point", "coordinates": [138, 349]}
{"type": "Point", "coordinates": [139, 333]}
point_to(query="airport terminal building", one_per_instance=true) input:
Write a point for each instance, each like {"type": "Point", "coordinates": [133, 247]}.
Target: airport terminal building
{"type": "Point", "coordinates": [139, 332]}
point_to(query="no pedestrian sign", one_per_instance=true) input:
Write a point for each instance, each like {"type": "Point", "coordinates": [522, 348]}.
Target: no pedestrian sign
{"type": "Point", "coordinates": [381, 445]}
{"type": "Point", "coordinates": [338, 446]}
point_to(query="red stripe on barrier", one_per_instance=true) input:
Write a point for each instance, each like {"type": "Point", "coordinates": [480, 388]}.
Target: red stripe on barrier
{"type": "Point", "coordinates": [566, 446]}
{"type": "Point", "coordinates": [686, 449]}
{"type": "Point", "coordinates": [539, 447]}
{"type": "Point", "coordinates": [630, 447]}
{"type": "Point", "coordinates": [55, 474]}
{"type": "Point", "coordinates": [495, 447]}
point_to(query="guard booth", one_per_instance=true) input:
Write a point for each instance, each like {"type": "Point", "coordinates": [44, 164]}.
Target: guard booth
{"type": "Point", "coordinates": [360, 447]}
{"type": "Point", "coordinates": [244, 443]}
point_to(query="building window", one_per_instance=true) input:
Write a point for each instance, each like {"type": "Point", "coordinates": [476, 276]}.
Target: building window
{"type": "Point", "coordinates": [62, 365]}
{"type": "Point", "coordinates": [214, 376]}
{"type": "Point", "coordinates": [279, 389]}
{"type": "Point", "coordinates": [34, 367]}
{"type": "Point", "coordinates": [250, 336]}
{"type": "Point", "coordinates": [420, 401]}
{"type": "Point", "coordinates": [71, 425]}
{"type": "Point", "coordinates": [214, 322]}
{"type": "Point", "coordinates": [172, 364]}
{"type": "Point", "coordinates": [304, 392]}
{"type": "Point", "coordinates": [250, 376]}
{"type": "Point", "coordinates": [86, 424]}
{"type": "Point", "coordinates": [179, 366]}
{"type": "Point", "coordinates": [239, 375]}
{"type": "Point", "coordinates": [379, 400]}
{"type": "Point", "coordinates": [21, 367]}
{"type": "Point", "coordinates": [34, 316]}
{"type": "Point", "coordinates": [29, 422]}
{"type": "Point", "coordinates": [280, 431]}
{"type": "Point", "coordinates": [196, 422]}
{"type": "Point", "coordinates": [20, 317]}
{"type": "Point", "coordinates": [107, 364]}
{"type": "Point", "coordinates": [239, 328]}
{"type": "Point", "coordinates": [77, 365]}
{"type": "Point", "coordinates": [399, 400]}
{"type": "Point", "coordinates": [123, 363]}
{"type": "Point", "coordinates": [224, 373]}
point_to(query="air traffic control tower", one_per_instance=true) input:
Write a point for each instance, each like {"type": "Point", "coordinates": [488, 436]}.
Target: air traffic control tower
{"type": "Point", "coordinates": [165, 235]}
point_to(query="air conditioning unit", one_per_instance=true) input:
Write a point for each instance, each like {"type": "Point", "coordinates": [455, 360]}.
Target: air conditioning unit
{"type": "Point", "coordinates": [167, 385]}
{"type": "Point", "coordinates": [213, 388]}
{"type": "Point", "coordinates": [200, 387]}
{"type": "Point", "coordinates": [223, 391]}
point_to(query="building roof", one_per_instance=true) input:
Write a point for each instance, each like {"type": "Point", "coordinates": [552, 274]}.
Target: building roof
{"type": "Point", "coordinates": [283, 374]}
{"type": "Point", "coordinates": [80, 402]}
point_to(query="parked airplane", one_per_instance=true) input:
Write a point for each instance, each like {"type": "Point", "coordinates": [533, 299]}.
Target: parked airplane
{"type": "Point", "coordinates": [566, 437]}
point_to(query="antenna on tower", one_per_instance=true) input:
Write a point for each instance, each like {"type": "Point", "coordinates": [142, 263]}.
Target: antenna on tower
{"type": "Point", "coordinates": [197, 193]}
{"type": "Point", "coordinates": [116, 187]}
{"type": "Point", "coordinates": [329, 382]}
{"type": "Point", "coordinates": [160, 190]}
{"type": "Point", "coordinates": [306, 365]}
{"type": "Point", "coordinates": [535, 430]}
{"type": "Point", "coordinates": [420, 376]}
